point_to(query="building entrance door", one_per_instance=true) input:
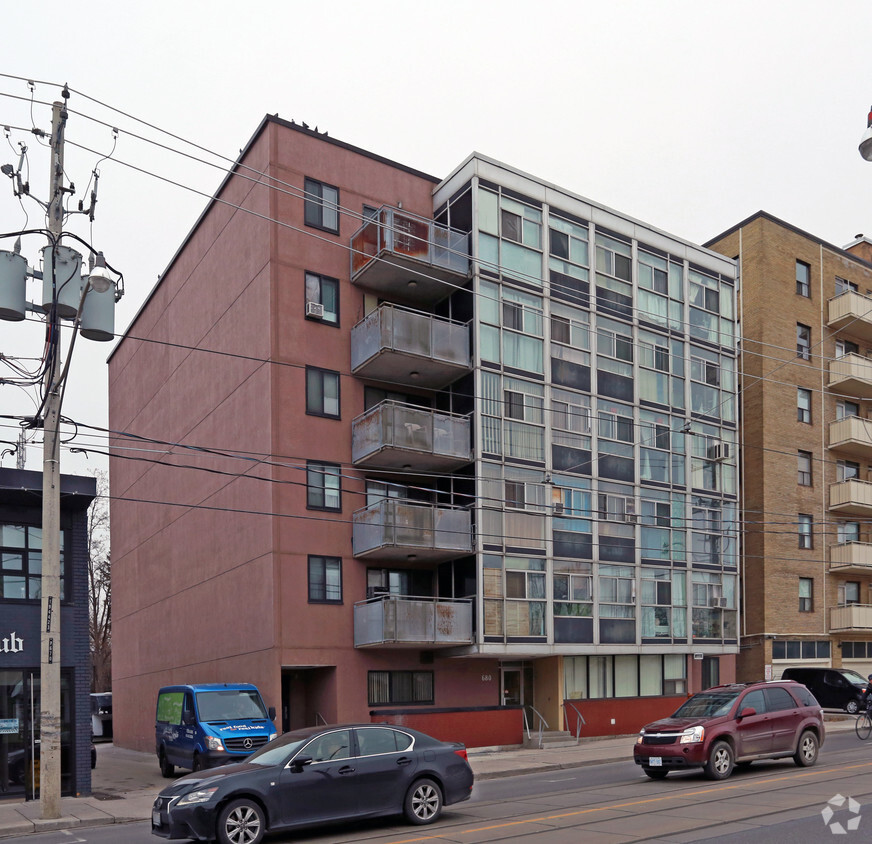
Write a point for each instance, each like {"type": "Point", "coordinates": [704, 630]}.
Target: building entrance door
{"type": "Point", "coordinates": [517, 687]}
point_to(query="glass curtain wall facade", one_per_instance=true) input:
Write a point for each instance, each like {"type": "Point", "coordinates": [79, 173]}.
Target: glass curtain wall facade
{"type": "Point", "coordinates": [606, 447]}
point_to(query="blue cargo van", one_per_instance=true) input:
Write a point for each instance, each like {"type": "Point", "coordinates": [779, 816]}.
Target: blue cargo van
{"type": "Point", "coordinates": [211, 724]}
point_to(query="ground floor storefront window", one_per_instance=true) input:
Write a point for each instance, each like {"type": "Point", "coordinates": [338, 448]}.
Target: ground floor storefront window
{"type": "Point", "coordinates": [19, 733]}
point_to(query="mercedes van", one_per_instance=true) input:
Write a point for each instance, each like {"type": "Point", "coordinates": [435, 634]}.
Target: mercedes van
{"type": "Point", "coordinates": [202, 726]}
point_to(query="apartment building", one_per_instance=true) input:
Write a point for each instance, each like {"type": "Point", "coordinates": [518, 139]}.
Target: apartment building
{"type": "Point", "coordinates": [448, 450]}
{"type": "Point", "coordinates": [806, 319]}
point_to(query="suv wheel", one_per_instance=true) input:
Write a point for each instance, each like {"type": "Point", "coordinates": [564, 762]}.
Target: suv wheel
{"type": "Point", "coordinates": [720, 761]}
{"type": "Point", "coordinates": [807, 750]}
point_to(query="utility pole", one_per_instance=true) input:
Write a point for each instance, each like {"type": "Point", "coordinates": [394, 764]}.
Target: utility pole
{"type": "Point", "coordinates": [50, 658]}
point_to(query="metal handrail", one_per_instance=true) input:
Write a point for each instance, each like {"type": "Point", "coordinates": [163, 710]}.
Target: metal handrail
{"type": "Point", "coordinates": [579, 720]}
{"type": "Point", "coordinates": [543, 724]}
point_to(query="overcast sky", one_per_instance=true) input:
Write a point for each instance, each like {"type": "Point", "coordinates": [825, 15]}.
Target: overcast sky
{"type": "Point", "coordinates": [687, 114]}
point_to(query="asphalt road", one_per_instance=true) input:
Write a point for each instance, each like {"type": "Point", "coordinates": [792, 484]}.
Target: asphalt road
{"type": "Point", "coordinates": [767, 803]}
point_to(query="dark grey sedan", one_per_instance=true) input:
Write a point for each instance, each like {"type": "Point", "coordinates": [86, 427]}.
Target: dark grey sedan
{"type": "Point", "coordinates": [316, 776]}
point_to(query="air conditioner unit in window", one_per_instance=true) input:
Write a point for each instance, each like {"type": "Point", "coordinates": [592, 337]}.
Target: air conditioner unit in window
{"type": "Point", "coordinates": [558, 509]}
{"type": "Point", "coordinates": [719, 451]}
{"type": "Point", "coordinates": [630, 517]}
{"type": "Point", "coordinates": [722, 603]}
{"type": "Point", "coordinates": [315, 310]}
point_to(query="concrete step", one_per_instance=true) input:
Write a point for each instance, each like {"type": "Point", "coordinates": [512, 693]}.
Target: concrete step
{"type": "Point", "coordinates": [550, 738]}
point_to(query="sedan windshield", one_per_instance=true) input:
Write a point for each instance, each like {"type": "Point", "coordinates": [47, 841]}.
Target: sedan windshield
{"type": "Point", "coordinates": [707, 705]}
{"type": "Point", "coordinates": [279, 750]}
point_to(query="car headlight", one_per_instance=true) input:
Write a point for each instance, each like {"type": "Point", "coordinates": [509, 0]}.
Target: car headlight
{"type": "Point", "coordinates": [641, 736]}
{"type": "Point", "coordinates": [692, 735]}
{"type": "Point", "coordinates": [272, 736]}
{"type": "Point", "coordinates": [213, 743]}
{"type": "Point", "coordinates": [203, 795]}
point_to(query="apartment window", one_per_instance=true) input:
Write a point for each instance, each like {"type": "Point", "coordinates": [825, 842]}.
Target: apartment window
{"type": "Point", "coordinates": [848, 532]}
{"type": "Point", "coordinates": [323, 486]}
{"type": "Point", "coordinates": [325, 580]}
{"type": "Point", "coordinates": [321, 206]}
{"type": "Point", "coordinates": [844, 409]}
{"type": "Point", "coordinates": [370, 212]}
{"type": "Point", "coordinates": [803, 279]}
{"type": "Point", "coordinates": [847, 470]}
{"type": "Point", "coordinates": [805, 531]}
{"type": "Point", "coordinates": [846, 347]}
{"type": "Point", "coordinates": [843, 286]}
{"type": "Point", "coordinates": [803, 341]}
{"type": "Point", "coordinates": [324, 291]}
{"type": "Point", "coordinates": [800, 649]}
{"type": "Point", "coordinates": [803, 405]}
{"type": "Point", "coordinates": [322, 392]}
{"type": "Point", "coordinates": [806, 592]}
{"type": "Point", "coordinates": [395, 687]}
{"type": "Point", "coordinates": [21, 562]}
{"type": "Point", "coordinates": [849, 593]}
{"type": "Point", "coordinates": [803, 459]}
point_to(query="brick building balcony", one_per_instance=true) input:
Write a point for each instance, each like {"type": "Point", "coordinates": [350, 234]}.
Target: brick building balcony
{"type": "Point", "coordinates": [393, 435]}
{"type": "Point", "coordinates": [853, 312]}
{"type": "Point", "coordinates": [852, 618]}
{"type": "Point", "coordinates": [411, 532]}
{"type": "Point", "coordinates": [852, 436]}
{"type": "Point", "coordinates": [851, 374]}
{"type": "Point", "coordinates": [409, 258]}
{"type": "Point", "coordinates": [851, 558]}
{"type": "Point", "coordinates": [399, 345]}
{"type": "Point", "coordinates": [851, 498]}
{"type": "Point", "coordinates": [402, 621]}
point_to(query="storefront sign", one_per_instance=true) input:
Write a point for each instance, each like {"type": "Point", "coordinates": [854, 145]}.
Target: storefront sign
{"type": "Point", "coordinates": [8, 726]}
{"type": "Point", "coordinates": [11, 644]}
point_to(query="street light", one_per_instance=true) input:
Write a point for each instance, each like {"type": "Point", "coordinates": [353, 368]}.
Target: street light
{"type": "Point", "coordinates": [866, 140]}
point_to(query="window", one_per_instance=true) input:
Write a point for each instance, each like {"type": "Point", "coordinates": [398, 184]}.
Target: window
{"type": "Point", "coordinates": [848, 532]}
{"type": "Point", "coordinates": [849, 593]}
{"type": "Point", "coordinates": [843, 286]}
{"type": "Point", "coordinates": [21, 562]}
{"type": "Point", "coordinates": [803, 460]}
{"type": "Point", "coordinates": [846, 347]}
{"type": "Point", "coordinates": [393, 687]}
{"type": "Point", "coordinates": [794, 649]}
{"type": "Point", "coordinates": [322, 392]}
{"type": "Point", "coordinates": [806, 536]}
{"type": "Point", "coordinates": [323, 486]}
{"type": "Point", "coordinates": [844, 409]}
{"type": "Point", "coordinates": [803, 405]}
{"type": "Point", "coordinates": [806, 594]}
{"type": "Point", "coordinates": [323, 290]}
{"type": "Point", "coordinates": [321, 206]}
{"type": "Point", "coordinates": [846, 470]}
{"type": "Point", "coordinates": [803, 341]}
{"type": "Point", "coordinates": [325, 580]}
{"type": "Point", "coordinates": [803, 279]}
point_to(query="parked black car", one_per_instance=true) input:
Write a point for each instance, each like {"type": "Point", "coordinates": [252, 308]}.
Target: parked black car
{"type": "Point", "coordinates": [834, 688]}
{"type": "Point", "coordinates": [315, 776]}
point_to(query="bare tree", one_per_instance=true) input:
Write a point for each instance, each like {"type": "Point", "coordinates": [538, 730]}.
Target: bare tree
{"type": "Point", "coordinates": [100, 587]}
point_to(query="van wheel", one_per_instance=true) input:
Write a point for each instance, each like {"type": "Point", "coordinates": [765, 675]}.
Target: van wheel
{"type": "Point", "coordinates": [197, 764]}
{"type": "Point", "coordinates": [852, 707]}
{"type": "Point", "coordinates": [720, 761]}
{"type": "Point", "coordinates": [807, 750]}
{"type": "Point", "coordinates": [166, 768]}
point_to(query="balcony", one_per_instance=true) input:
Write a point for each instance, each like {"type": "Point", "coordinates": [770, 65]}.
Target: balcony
{"type": "Point", "coordinates": [393, 435]}
{"type": "Point", "coordinates": [852, 312]}
{"type": "Point", "coordinates": [411, 532]}
{"type": "Point", "coordinates": [852, 436]}
{"type": "Point", "coordinates": [407, 347]}
{"type": "Point", "coordinates": [854, 617]}
{"type": "Point", "coordinates": [851, 558]}
{"type": "Point", "coordinates": [851, 498]}
{"type": "Point", "coordinates": [402, 256]}
{"type": "Point", "coordinates": [412, 622]}
{"type": "Point", "coordinates": [851, 375]}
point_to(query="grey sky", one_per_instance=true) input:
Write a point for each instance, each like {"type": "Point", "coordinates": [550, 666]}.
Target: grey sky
{"type": "Point", "coordinates": [688, 115]}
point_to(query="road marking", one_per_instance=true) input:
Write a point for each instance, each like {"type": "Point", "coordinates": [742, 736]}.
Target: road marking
{"type": "Point", "coordinates": [756, 781]}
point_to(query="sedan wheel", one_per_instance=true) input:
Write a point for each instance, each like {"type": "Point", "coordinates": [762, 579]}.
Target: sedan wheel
{"type": "Point", "coordinates": [807, 750]}
{"type": "Point", "coordinates": [720, 763]}
{"type": "Point", "coordinates": [241, 822]}
{"type": "Point", "coordinates": [423, 802]}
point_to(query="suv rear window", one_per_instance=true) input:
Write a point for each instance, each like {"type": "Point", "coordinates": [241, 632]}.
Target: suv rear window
{"type": "Point", "coordinates": [806, 698]}
{"type": "Point", "coordinates": [708, 704]}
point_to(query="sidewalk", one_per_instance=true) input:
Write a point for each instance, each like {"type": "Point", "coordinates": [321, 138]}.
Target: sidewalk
{"type": "Point", "coordinates": [125, 782]}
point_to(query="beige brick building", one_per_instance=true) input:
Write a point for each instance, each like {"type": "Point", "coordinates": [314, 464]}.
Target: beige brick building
{"type": "Point", "coordinates": [806, 403]}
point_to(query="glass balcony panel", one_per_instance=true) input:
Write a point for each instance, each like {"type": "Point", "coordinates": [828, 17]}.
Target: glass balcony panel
{"type": "Point", "coordinates": [402, 621]}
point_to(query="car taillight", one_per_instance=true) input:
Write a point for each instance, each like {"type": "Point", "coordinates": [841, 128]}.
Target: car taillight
{"type": "Point", "coordinates": [462, 754]}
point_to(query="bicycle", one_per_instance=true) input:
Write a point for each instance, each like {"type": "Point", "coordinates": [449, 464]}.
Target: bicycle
{"type": "Point", "coordinates": [863, 725]}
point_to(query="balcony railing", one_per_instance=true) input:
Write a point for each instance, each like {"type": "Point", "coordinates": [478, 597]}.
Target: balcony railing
{"type": "Point", "coordinates": [852, 497]}
{"type": "Point", "coordinates": [412, 621]}
{"type": "Point", "coordinates": [852, 617]}
{"type": "Point", "coordinates": [852, 435]}
{"type": "Point", "coordinates": [851, 557]}
{"type": "Point", "coordinates": [851, 312]}
{"type": "Point", "coordinates": [410, 531]}
{"type": "Point", "coordinates": [851, 374]}
{"type": "Point", "coordinates": [393, 435]}
{"type": "Point", "coordinates": [399, 345]}
{"type": "Point", "coordinates": [407, 257]}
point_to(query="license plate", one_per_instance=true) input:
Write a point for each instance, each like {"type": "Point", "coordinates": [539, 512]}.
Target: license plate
{"type": "Point", "coordinates": [155, 818]}
{"type": "Point", "coordinates": [655, 761]}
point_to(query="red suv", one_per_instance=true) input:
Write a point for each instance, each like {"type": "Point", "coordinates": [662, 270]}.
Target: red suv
{"type": "Point", "coordinates": [734, 725]}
